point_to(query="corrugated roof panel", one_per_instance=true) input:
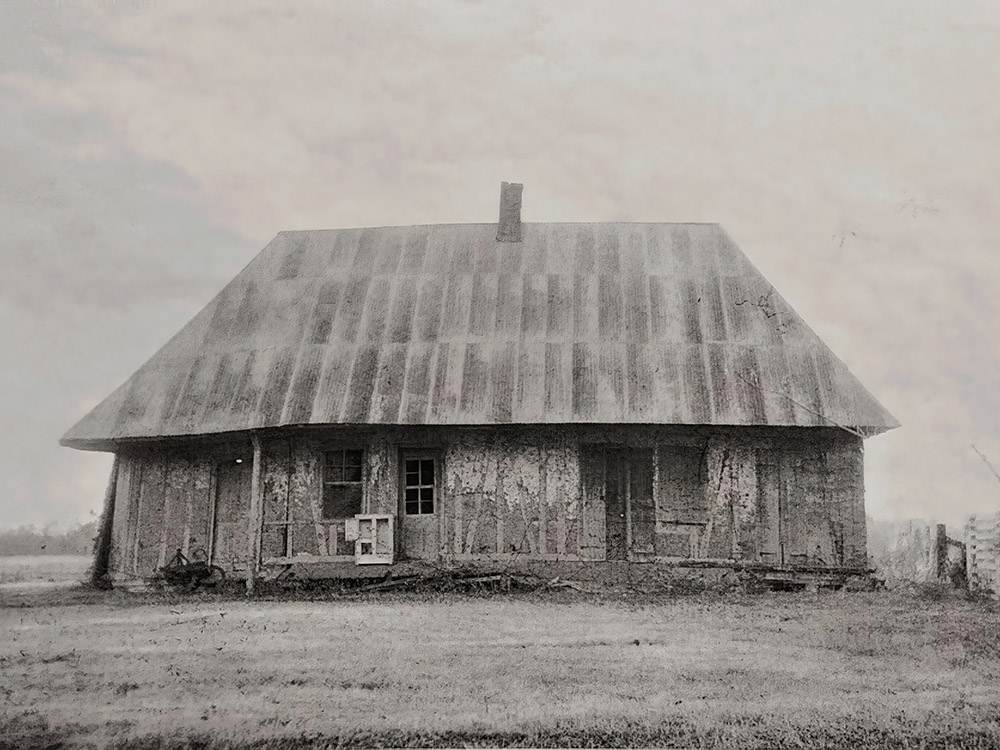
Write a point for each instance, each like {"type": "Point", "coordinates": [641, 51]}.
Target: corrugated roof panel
{"type": "Point", "coordinates": [650, 323]}
{"type": "Point", "coordinates": [669, 399]}
{"type": "Point", "coordinates": [305, 382]}
{"type": "Point", "coordinates": [534, 256]}
{"type": "Point", "coordinates": [357, 405]}
{"type": "Point", "coordinates": [691, 307]}
{"type": "Point", "coordinates": [560, 246]}
{"type": "Point", "coordinates": [609, 308]}
{"type": "Point", "coordinates": [607, 240]}
{"type": "Point", "coordinates": [559, 317]}
{"type": "Point", "coordinates": [504, 375]}
{"type": "Point", "coordinates": [351, 310]}
{"type": "Point", "coordinates": [639, 376]}
{"type": "Point", "coordinates": [585, 262]}
{"type": "Point", "coordinates": [401, 314]}
{"type": "Point", "coordinates": [509, 306]}
{"type": "Point", "coordinates": [438, 257]}
{"type": "Point", "coordinates": [713, 315]}
{"type": "Point", "coordinates": [427, 315]}
{"type": "Point", "coordinates": [509, 257]}
{"type": "Point", "coordinates": [387, 387]}
{"type": "Point", "coordinates": [271, 402]}
{"type": "Point", "coordinates": [529, 398]}
{"type": "Point", "coordinates": [376, 310]}
{"type": "Point", "coordinates": [612, 387]}
{"type": "Point", "coordinates": [586, 308]}
{"type": "Point", "coordinates": [559, 382]}
{"type": "Point", "coordinates": [477, 385]}
{"type": "Point", "coordinates": [724, 405]}
{"type": "Point", "coordinates": [483, 312]}
{"type": "Point", "coordinates": [414, 250]}
{"type": "Point", "coordinates": [335, 373]}
{"type": "Point", "coordinates": [696, 385]}
{"type": "Point", "coordinates": [388, 252]}
{"type": "Point", "coordinates": [342, 248]}
{"type": "Point", "coordinates": [447, 383]}
{"type": "Point", "coordinates": [775, 384]}
{"type": "Point", "coordinates": [585, 366]}
{"type": "Point", "coordinates": [417, 390]}
{"type": "Point", "coordinates": [636, 304]}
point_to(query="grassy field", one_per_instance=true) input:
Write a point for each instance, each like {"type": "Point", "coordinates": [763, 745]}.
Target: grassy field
{"type": "Point", "coordinates": [774, 670]}
{"type": "Point", "coordinates": [21, 571]}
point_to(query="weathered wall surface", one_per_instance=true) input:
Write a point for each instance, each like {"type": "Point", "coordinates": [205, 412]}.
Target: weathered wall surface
{"type": "Point", "coordinates": [163, 503]}
{"type": "Point", "coordinates": [514, 498]}
{"type": "Point", "coordinates": [770, 496]}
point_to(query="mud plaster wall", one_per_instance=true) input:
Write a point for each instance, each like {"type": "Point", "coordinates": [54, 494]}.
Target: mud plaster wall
{"type": "Point", "coordinates": [163, 503]}
{"type": "Point", "coordinates": [796, 499]}
{"type": "Point", "coordinates": [794, 496]}
{"type": "Point", "coordinates": [514, 497]}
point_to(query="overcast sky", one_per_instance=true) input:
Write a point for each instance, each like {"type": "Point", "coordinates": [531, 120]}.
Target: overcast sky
{"type": "Point", "coordinates": [148, 150]}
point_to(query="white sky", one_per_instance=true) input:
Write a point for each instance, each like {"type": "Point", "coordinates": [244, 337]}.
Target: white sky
{"type": "Point", "coordinates": [148, 150]}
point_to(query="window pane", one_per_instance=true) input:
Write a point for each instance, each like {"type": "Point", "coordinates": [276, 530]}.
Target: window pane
{"type": "Point", "coordinates": [334, 474]}
{"type": "Point", "coordinates": [411, 494]}
{"type": "Point", "coordinates": [413, 508]}
{"type": "Point", "coordinates": [352, 473]}
{"type": "Point", "coordinates": [412, 479]}
{"type": "Point", "coordinates": [412, 466]}
{"type": "Point", "coordinates": [341, 501]}
{"type": "Point", "coordinates": [426, 493]}
{"type": "Point", "coordinates": [427, 471]}
{"type": "Point", "coordinates": [352, 458]}
{"type": "Point", "coordinates": [427, 507]}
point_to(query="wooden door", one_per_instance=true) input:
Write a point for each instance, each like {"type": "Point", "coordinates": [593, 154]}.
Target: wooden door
{"type": "Point", "coordinates": [630, 513]}
{"type": "Point", "coordinates": [616, 483]}
{"type": "Point", "coordinates": [769, 491]}
{"type": "Point", "coordinates": [232, 508]}
{"type": "Point", "coordinates": [420, 505]}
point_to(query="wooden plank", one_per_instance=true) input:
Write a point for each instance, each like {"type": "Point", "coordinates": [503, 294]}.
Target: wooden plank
{"type": "Point", "coordinates": [124, 510]}
{"type": "Point", "coordinates": [255, 516]}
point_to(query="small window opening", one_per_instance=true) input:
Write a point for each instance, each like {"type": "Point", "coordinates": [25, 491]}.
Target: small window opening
{"type": "Point", "coordinates": [419, 486]}
{"type": "Point", "coordinates": [341, 484]}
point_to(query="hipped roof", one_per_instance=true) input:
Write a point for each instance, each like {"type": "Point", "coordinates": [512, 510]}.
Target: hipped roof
{"type": "Point", "coordinates": [443, 325]}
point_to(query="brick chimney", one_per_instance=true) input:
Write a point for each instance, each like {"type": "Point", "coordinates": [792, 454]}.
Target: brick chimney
{"type": "Point", "coordinates": [509, 228]}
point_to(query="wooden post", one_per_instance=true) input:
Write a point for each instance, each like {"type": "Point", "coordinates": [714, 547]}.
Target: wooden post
{"type": "Point", "coordinates": [255, 516]}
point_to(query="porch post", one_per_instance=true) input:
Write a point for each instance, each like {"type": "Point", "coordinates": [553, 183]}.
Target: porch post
{"type": "Point", "coordinates": [255, 516]}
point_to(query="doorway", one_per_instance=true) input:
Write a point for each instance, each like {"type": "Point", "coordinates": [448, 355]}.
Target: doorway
{"type": "Point", "coordinates": [232, 509]}
{"type": "Point", "coordinates": [625, 477]}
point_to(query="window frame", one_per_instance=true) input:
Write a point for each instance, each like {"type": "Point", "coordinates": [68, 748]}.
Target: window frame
{"type": "Point", "coordinates": [435, 485]}
{"type": "Point", "coordinates": [324, 466]}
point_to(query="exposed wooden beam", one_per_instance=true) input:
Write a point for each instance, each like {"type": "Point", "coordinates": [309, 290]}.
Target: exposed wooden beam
{"type": "Point", "coordinates": [255, 520]}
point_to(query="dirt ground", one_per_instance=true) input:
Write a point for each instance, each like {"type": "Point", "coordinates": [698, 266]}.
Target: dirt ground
{"type": "Point", "coordinates": [772, 670]}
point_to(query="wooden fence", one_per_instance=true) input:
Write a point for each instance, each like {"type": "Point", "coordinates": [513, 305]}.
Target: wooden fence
{"type": "Point", "coordinates": [909, 551]}
{"type": "Point", "coordinates": [982, 552]}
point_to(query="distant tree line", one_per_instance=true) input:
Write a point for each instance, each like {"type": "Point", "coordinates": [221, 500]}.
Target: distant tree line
{"type": "Point", "coordinates": [29, 540]}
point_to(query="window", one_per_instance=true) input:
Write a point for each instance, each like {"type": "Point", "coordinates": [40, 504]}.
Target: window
{"type": "Point", "coordinates": [419, 486]}
{"type": "Point", "coordinates": [341, 484]}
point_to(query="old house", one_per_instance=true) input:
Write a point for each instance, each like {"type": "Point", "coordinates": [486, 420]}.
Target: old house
{"type": "Point", "coordinates": [596, 394]}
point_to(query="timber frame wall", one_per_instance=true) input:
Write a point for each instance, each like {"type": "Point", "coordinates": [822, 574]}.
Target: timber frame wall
{"type": "Point", "coordinates": [776, 496]}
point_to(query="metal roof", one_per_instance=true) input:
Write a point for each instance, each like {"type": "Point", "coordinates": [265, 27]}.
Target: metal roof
{"type": "Point", "coordinates": [578, 323]}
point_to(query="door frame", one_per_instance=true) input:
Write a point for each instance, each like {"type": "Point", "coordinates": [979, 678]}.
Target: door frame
{"type": "Point", "coordinates": [216, 476]}
{"type": "Point", "coordinates": [420, 452]}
